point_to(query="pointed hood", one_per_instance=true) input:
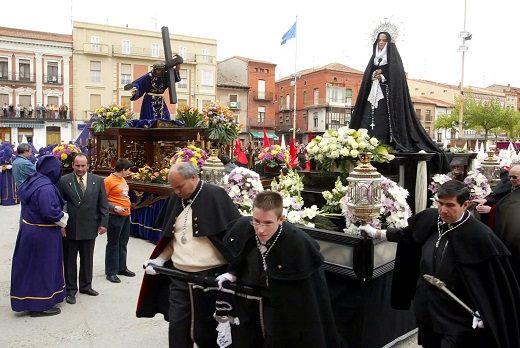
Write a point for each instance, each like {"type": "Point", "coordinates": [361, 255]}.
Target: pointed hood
{"type": "Point", "coordinates": [48, 172]}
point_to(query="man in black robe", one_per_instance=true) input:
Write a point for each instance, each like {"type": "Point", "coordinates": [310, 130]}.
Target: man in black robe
{"type": "Point", "coordinates": [277, 256]}
{"type": "Point", "coordinates": [384, 106]}
{"type": "Point", "coordinates": [465, 254]}
{"type": "Point", "coordinates": [506, 219]}
{"type": "Point", "coordinates": [193, 221]}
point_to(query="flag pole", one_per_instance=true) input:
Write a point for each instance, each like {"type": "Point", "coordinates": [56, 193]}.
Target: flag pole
{"type": "Point", "coordinates": [295, 59]}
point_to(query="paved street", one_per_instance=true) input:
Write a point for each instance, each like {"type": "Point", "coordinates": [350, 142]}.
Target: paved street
{"type": "Point", "coordinates": [107, 320]}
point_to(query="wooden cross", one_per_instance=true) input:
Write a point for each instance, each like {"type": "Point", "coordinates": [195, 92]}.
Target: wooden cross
{"type": "Point", "coordinates": [170, 64]}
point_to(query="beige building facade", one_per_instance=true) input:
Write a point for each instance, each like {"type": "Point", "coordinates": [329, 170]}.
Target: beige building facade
{"type": "Point", "coordinates": [106, 58]}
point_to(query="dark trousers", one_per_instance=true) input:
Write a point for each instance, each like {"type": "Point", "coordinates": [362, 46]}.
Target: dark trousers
{"type": "Point", "coordinates": [118, 234]}
{"type": "Point", "coordinates": [181, 334]}
{"type": "Point", "coordinates": [85, 248]}
{"type": "Point", "coordinates": [430, 339]}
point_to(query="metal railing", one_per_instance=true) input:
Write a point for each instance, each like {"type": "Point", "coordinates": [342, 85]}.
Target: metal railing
{"type": "Point", "coordinates": [263, 95]}
{"type": "Point", "coordinates": [54, 79]}
{"type": "Point", "coordinates": [96, 48]}
{"type": "Point", "coordinates": [264, 123]}
{"type": "Point", "coordinates": [24, 78]}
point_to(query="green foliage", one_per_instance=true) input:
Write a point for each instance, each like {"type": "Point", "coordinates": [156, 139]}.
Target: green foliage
{"type": "Point", "coordinates": [191, 116]}
{"type": "Point", "coordinates": [111, 116]}
{"type": "Point", "coordinates": [445, 121]}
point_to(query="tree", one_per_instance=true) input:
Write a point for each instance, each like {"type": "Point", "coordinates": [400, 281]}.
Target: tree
{"type": "Point", "coordinates": [511, 121]}
{"type": "Point", "coordinates": [480, 115]}
{"type": "Point", "coordinates": [445, 121]}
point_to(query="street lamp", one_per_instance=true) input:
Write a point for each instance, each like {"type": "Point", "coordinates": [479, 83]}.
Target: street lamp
{"type": "Point", "coordinates": [464, 35]}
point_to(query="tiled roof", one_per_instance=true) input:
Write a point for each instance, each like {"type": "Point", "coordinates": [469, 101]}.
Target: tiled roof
{"type": "Point", "coordinates": [485, 91]}
{"type": "Point", "coordinates": [35, 35]}
{"type": "Point", "coordinates": [248, 60]}
{"type": "Point", "coordinates": [331, 66]}
{"type": "Point", "coordinates": [436, 83]}
{"type": "Point", "coordinates": [436, 102]}
{"type": "Point", "coordinates": [224, 81]}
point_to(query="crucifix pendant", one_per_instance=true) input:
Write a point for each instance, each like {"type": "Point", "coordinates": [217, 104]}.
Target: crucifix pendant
{"type": "Point", "coordinates": [372, 125]}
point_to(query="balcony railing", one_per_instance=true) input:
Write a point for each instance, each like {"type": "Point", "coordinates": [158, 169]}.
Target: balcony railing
{"type": "Point", "coordinates": [36, 113]}
{"type": "Point", "coordinates": [28, 78]}
{"type": "Point", "coordinates": [264, 123]}
{"type": "Point", "coordinates": [200, 58]}
{"type": "Point", "coordinates": [262, 95]}
{"type": "Point", "coordinates": [53, 79]}
{"type": "Point", "coordinates": [324, 101]}
{"type": "Point", "coordinates": [96, 48]}
{"type": "Point", "coordinates": [134, 51]}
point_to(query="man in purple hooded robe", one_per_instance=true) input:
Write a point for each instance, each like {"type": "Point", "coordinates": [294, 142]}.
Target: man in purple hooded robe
{"type": "Point", "coordinates": [7, 183]}
{"type": "Point", "coordinates": [37, 280]}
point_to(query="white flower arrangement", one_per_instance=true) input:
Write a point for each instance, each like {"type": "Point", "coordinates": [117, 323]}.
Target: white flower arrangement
{"type": "Point", "coordinates": [341, 147]}
{"type": "Point", "coordinates": [242, 185]}
{"type": "Point", "coordinates": [333, 206]}
{"type": "Point", "coordinates": [476, 182]}
{"type": "Point", "coordinates": [394, 212]}
{"type": "Point", "coordinates": [290, 186]}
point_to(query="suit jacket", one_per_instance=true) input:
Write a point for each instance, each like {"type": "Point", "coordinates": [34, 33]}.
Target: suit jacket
{"type": "Point", "coordinates": [86, 212]}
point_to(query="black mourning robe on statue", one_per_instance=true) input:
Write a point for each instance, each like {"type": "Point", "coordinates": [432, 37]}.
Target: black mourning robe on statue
{"type": "Point", "coordinates": [301, 313]}
{"type": "Point", "coordinates": [213, 210]}
{"type": "Point", "coordinates": [474, 266]}
{"type": "Point", "coordinates": [396, 123]}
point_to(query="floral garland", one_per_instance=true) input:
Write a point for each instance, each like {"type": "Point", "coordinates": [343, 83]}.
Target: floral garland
{"type": "Point", "coordinates": [273, 156]}
{"type": "Point", "coordinates": [394, 212]}
{"type": "Point", "coordinates": [475, 181]}
{"type": "Point", "coordinates": [222, 125]}
{"type": "Point", "coordinates": [111, 116]}
{"type": "Point", "coordinates": [341, 147]}
{"type": "Point", "coordinates": [148, 174]}
{"type": "Point", "coordinates": [242, 185]}
{"type": "Point", "coordinates": [290, 186]}
{"type": "Point", "coordinates": [66, 153]}
{"type": "Point", "coordinates": [190, 154]}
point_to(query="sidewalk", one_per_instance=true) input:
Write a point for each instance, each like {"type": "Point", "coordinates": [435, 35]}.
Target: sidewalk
{"type": "Point", "coordinates": [107, 320]}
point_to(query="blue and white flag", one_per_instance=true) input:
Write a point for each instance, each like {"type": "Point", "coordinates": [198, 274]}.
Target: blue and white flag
{"type": "Point", "coordinates": [290, 34]}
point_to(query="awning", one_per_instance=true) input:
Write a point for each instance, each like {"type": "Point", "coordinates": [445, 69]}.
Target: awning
{"type": "Point", "coordinates": [260, 135]}
{"type": "Point", "coordinates": [22, 125]}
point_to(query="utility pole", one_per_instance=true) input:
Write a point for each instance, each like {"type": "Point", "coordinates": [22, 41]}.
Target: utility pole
{"type": "Point", "coordinates": [463, 48]}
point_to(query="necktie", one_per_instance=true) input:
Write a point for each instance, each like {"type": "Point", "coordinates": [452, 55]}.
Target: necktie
{"type": "Point", "coordinates": [81, 184]}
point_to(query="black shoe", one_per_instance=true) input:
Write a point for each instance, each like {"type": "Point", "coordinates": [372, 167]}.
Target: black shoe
{"type": "Point", "coordinates": [127, 273]}
{"type": "Point", "coordinates": [71, 299]}
{"type": "Point", "coordinates": [113, 278]}
{"type": "Point", "coordinates": [47, 313]}
{"type": "Point", "coordinates": [90, 292]}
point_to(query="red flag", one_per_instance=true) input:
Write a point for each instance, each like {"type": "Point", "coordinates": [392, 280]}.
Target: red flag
{"type": "Point", "coordinates": [237, 147]}
{"type": "Point", "coordinates": [308, 164]}
{"type": "Point", "coordinates": [266, 140]}
{"type": "Point", "coordinates": [292, 151]}
{"type": "Point", "coordinates": [309, 138]}
{"type": "Point", "coordinates": [240, 155]}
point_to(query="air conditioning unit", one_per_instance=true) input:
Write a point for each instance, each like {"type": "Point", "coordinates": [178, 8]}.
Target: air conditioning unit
{"type": "Point", "coordinates": [234, 104]}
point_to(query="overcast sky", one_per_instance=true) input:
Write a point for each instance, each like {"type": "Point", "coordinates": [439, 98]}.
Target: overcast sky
{"type": "Point", "coordinates": [328, 31]}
